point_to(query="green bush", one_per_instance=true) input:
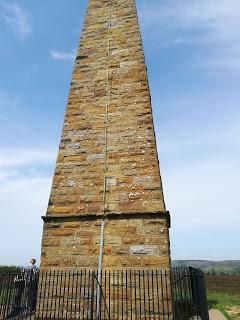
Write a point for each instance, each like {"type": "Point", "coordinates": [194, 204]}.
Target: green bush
{"type": "Point", "coordinates": [9, 269]}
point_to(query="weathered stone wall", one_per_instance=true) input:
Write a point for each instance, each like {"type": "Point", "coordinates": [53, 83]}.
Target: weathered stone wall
{"type": "Point", "coordinates": [107, 162]}
{"type": "Point", "coordinates": [130, 242]}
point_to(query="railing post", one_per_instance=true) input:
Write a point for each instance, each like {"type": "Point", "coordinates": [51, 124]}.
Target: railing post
{"type": "Point", "coordinates": [92, 295]}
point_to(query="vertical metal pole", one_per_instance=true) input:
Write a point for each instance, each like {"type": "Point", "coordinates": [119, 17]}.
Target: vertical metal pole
{"type": "Point", "coordinates": [88, 294]}
{"type": "Point", "coordinates": [99, 278]}
{"type": "Point", "coordinates": [105, 286]}
{"type": "Point", "coordinates": [92, 295]}
{"type": "Point", "coordinates": [141, 275]}
{"type": "Point", "coordinates": [158, 299]}
{"type": "Point", "coordinates": [81, 275]}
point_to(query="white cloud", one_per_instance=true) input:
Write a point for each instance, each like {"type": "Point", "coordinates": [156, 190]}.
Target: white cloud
{"type": "Point", "coordinates": [221, 62]}
{"type": "Point", "coordinates": [203, 200]}
{"type": "Point", "coordinates": [199, 149]}
{"type": "Point", "coordinates": [63, 55]}
{"type": "Point", "coordinates": [213, 24]}
{"type": "Point", "coordinates": [181, 41]}
{"type": "Point", "coordinates": [24, 193]}
{"type": "Point", "coordinates": [24, 157]}
{"type": "Point", "coordinates": [219, 17]}
{"type": "Point", "coordinates": [7, 103]}
{"type": "Point", "coordinates": [17, 19]}
{"type": "Point", "coordinates": [23, 202]}
{"type": "Point", "coordinates": [202, 184]}
{"type": "Point", "coordinates": [189, 138]}
{"type": "Point", "coordinates": [204, 191]}
{"type": "Point", "coordinates": [24, 163]}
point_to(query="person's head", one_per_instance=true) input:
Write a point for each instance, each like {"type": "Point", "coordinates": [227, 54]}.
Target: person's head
{"type": "Point", "coordinates": [33, 261]}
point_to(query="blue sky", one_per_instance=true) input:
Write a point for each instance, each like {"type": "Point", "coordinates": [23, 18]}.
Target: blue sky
{"type": "Point", "coordinates": [193, 58]}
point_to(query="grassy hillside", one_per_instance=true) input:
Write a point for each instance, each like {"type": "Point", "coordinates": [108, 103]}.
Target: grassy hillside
{"type": "Point", "coordinates": [227, 266]}
{"type": "Point", "coordinates": [224, 294]}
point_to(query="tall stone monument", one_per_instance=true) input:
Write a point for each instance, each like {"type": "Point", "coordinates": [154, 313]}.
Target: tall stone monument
{"type": "Point", "coordinates": [106, 208]}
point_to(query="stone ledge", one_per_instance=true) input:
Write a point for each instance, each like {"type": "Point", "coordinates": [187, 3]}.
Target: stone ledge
{"type": "Point", "coordinates": [111, 216]}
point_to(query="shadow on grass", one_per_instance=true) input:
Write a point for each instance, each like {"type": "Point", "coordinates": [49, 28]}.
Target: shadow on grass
{"type": "Point", "coordinates": [184, 310]}
{"type": "Point", "coordinates": [212, 304]}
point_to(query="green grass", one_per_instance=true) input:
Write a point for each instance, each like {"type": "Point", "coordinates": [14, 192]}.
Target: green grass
{"type": "Point", "coordinates": [227, 303]}
{"type": "Point", "coordinates": [224, 294]}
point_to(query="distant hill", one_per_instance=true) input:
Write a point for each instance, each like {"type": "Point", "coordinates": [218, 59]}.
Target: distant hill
{"type": "Point", "coordinates": [226, 266]}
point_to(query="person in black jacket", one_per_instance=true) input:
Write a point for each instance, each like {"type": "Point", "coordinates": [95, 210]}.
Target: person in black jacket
{"type": "Point", "coordinates": [32, 285]}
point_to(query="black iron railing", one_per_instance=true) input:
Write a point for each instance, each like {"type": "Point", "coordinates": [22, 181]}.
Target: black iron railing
{"type": "Point", "coordinates": [178, 294]}
{"type": "Point", "coordinates": [189, 294]}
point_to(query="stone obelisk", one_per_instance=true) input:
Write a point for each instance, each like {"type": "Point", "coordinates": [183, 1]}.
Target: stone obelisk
{"type": "Point", "coordinates": [106, 208]}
